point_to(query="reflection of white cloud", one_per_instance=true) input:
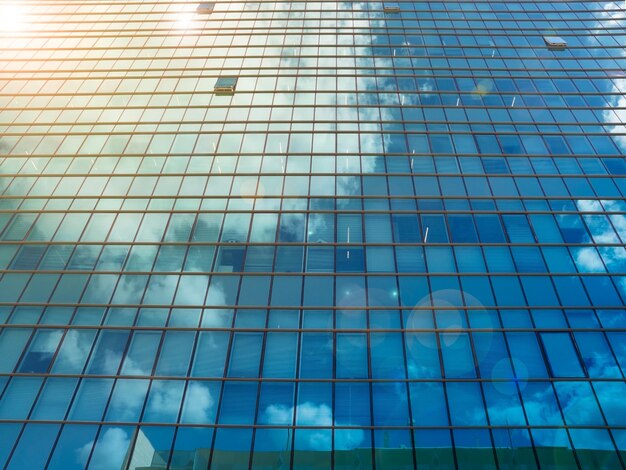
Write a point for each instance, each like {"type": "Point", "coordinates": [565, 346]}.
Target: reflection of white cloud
{"type": "Point", "coordinates": [191, 290]}
{"type": "Point", "coordinates": [199, 404]}
{"type": "Point", "coordinates": [611, 397]}
{"type": "Point", "coordinates": [316, 440]}
{"type": "Point", "coordinates": [279, 414]}
{"type": "Point", "coordinates": [588, 260]}
{"type": "Point", "coordinates": [602, 365]}
{"type": "Point", "coordinates": [616, 115]}
{"type": "Point", "coordinates": [75, 348]}
{"type": "Point", "coordinates": [216, 295]}
{"type": "Point", "coordinates": [310, 414]}
{"type": "Point", "coordinates": [618, 220]}
{"type": "Point", "coordinates": [217, 318]}
{"type": "Point", "coordinates": [164, 401]}
{"type": "Point", "coordinates": [586, 205]}
{"type": "Point", "coordinates": [539, 405]}
{"type": "Point", "coordinates": [349, 439]}
{"type": "Point", "coordinates": [50, 342]}
{"type": "Point", "coordinates": [578, 402]}
{"type": "Point", "coordinates": [127, 289]}
{"type": "Point", "coordinates": [128, 398]}
{"type": "Point", "coordinates": [601, 229]}
{"type": "Point", "coordinates": [110, 362]}
{"type": "Point", "coordinates": [110, 451]}
{"type": "Point", "coordinates": [133, 368]}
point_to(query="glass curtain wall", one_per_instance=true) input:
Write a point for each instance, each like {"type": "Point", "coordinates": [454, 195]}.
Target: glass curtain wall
{"type": "Point", "coordinates": [393, 237]}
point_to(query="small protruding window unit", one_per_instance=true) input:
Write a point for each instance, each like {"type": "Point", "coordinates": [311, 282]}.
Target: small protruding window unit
{"type": "Point", "coordinates": [555, 42]}
{"type": "Point", "coordinates": [205, 8]}
{"type": "Point", "coordinates": [225, 85]}
{"type": "Point", "coordinates": [391, 7]}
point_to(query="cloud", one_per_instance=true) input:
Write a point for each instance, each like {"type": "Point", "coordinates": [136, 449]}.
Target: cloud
{"type": "Point", "coordinates": [127, 400]}
{"type": "Point", "coordinates": [133, 368]}
{"type": "Point", "coordinates": [349, 439]}
{"type": "Point", "coordinates": [199, 404]}
{"type": "Point", "coordinates": [216, 317]}
{"type": "Point", "coordinates": [164, 401]}
{"type": "Point", "coordinates": [588, 260]}
{"type": "Point", "coordinates": [76, 347]}
{"type": "Point", "coordinates": [50, 341]}
{"type": "Point", "coordinates": [191, 290]}
{"type": "Point", "coordinates": [311, 414]}
{"type": "Point", "coordinates": [110, 451]}
{"type": "Point", "coordinates": [578, 401]}
{"type": "Point", "coordinates": [602, 365]}
{"type": "Point", "coordinates": [279, 414]}
{"type": "Point", "coordinates": [129, 289]}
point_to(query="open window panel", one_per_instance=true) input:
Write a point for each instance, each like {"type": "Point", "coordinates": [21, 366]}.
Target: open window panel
{"type": "Point", "coordinates": [391, 7]}
{"type": "Point", "coordinates": [225, 85]}
{"type": "Point", "coordinates": [555, 42]}
{"type": "Point", "coordinates": [205, 8]}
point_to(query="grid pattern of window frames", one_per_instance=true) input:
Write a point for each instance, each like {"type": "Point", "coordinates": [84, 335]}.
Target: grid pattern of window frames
{"type": "Point", "coordinates": [394, 241]}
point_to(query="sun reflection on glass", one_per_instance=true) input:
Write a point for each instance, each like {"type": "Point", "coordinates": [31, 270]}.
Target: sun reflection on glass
{"type": "Point", "coordinates": [184, 21]}
{"type": "Point", "coordinates": [11, 17]}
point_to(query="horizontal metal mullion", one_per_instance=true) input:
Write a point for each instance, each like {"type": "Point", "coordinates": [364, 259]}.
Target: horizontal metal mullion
{"type": "Point", "coordinates": [260, 70]}
{"type": "Point", "coordinates": [313, 308]}
{"type": "Point", "coordinates": [339, 331]}
{"type": "Point", "coordinates": [308, 132]}
{"type": "Point", "coordinates": [337, 274]}
{"type": "Point", "coordinates": [293, 427]}
{"type": "Point", "coordinates": [349, 174]}
{"type": "Point", "coordinates": [337, 197]}
{"type": "Point", "coordinates": [305, 244]}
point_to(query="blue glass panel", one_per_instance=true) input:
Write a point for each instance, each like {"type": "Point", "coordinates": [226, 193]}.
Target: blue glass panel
{"type": "Point", "coordinates": [91, 399]}
{"type": "Point", "coordinates": [613, 407]}
{"type": "Point", "coordinates": [351, 356]}
{"type": "Point", "coordinates": [127, 399]}
{"type": "Point", "coordinates": [428, 404]}
{"type": "Point", "coordinates": [352, 405]}
{"type": "Point", "coordinates": [387, 355]}
{"type": "Point", "coordinates": [245, 355]}
{"type": "Point", "coordinates": [8, 433]}
{"type": "Point", "coordinates": [238, 403]}
{"type": "Point", "coordinates": [39, 436]}
{"type": "Point", "coordinates": [19, 397]}
{"type": "Point", "coordinates": [73, 447]}
{"type": "Point", "coordinates": [466, 404]}
{"type": "Point", "coordinates": [390, 404]}
{"type": "Point", "coordinates": [503, 404]}
{"type": "Point", "coordinates": [316, 360]}
{"type": "Point", "coordinates": [175, 353]}
{"type": "Point", "coordinates": [526, 355]}
{"type": "Point", "coordinates": [280, 355]}
{"type": "Point", "coordinates": [542, 408]}
{"type": "Point", "coordinates": [191, 447]}
{"type": "Point", "coordinates": [457, 355]}
{"type": "Point", "coordinates": [54, 399]}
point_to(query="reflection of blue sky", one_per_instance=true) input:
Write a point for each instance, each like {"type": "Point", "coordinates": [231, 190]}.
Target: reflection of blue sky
{"type": "Point", "coordinates": [287, 155]}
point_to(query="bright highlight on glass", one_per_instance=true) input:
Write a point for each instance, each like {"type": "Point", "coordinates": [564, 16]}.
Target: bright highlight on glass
{"type": "Point", "coordinates": [12, 17]}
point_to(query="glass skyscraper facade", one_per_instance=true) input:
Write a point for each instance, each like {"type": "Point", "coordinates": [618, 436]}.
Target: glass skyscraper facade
{"type": "Point", "coordinates": [397, 243]}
